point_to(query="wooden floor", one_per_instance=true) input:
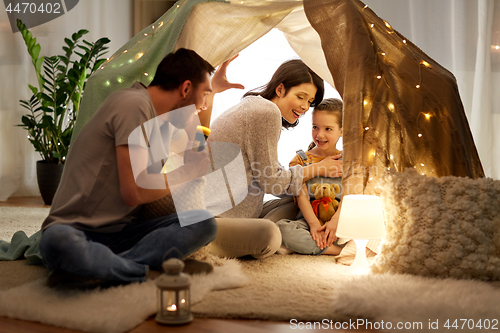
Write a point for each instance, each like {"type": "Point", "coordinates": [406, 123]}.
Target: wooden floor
{"type": "Point", "coordinates": [198, 325]}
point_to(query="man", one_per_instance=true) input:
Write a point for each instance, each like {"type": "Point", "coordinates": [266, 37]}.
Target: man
{"type": "Point", "coordinates": [92, 231]}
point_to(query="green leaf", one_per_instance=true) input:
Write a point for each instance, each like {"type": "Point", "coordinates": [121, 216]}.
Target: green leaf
{"type": "Point", "coordinates": [69, 42]}
{"type": "Point", "coordinates": [26, 121]}
{"type": "Point", "coordinates": [47, 98]}
{"type": "Point", "coordinates": [35, 51]}
{"type": "Point", "coordinates": [86, 49]}
{"type": "Point", "coordinates": [33, 89]}
{"type": "Point", "coordinates": [38, 65]}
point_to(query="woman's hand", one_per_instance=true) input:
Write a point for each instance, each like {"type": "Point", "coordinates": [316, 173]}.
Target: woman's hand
{"type": "Point", "coordinates": [331, 166]}
{"type": "Point", "coordinates": [219, 80]}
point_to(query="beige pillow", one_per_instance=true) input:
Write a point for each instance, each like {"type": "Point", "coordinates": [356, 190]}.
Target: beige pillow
{"type": "Point", "coordinates": [440, 227]}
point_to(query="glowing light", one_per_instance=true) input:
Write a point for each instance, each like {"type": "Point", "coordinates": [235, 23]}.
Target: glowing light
{"type": "Point", "coordinates": [29, 137]}
{"type": "Point", "coordinates": [366, 6]}
{"type": "Point", "coordinates": [497, 47]}
{"type": "Point", "coordinates": [139, 55]}
{"type": "Point", "coordinates": [145, 34]}
{"type": "Point", "coordinates": [367, 128]}
{"type": "Point", "coordinates": [365, 102]}
{"type": "Point", "coordinates": [417, 86]}
{"type": "Point", "coordinates": [392, 157]}
{"type": "Point", "coordinates": [64, 158]}
{"type": "Point", "coordinates": [379, 77]}
{"type": "Point", "coordinates": [130, 61]}
{"type": "Point", "coordinates": [161, 24]}
{"type": "Point", "coordinates": [422, 164]}
{"type": "Point", "coordinates": [383, 53]}
{"type": "Point", "coordinates": [404, 41]}
{"type": "Point", "coordinates": [146, 74]}
{"type": "Point", "coordinates": [419, 135]}
{"type": "Point", "coordinates": [390, 106]}
{"type": "Point", "coordinates": [107, 83]}
{"type": "Point", "coordinates": [427, 116]}
{"type": "Point", "coordinates": [372, 25]}
{"type": "Point", "coordinates": [387, 25]}
{"type": "Point", "coordinates": [120, 79]}
{"type": "Point", "coordinates": [373, 153]}
{"type": "Point", "coordinates": [425, 63]}
{"type": "Point", "coordinates": [178, 6]}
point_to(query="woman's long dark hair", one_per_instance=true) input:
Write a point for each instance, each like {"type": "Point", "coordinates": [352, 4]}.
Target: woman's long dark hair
{"type": "Point", "coordinates": [291, 73]}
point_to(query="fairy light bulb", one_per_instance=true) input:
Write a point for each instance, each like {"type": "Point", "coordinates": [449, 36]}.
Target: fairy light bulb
{"type": "Point", "coordinates": [417, 86]}
{"type": "Point", "coordinates": [390, 106]}
{"type": "Point", "coordinates": [422, 164]}
{"type": "Point", "coordinates": [419, 135]}
{"type": "Point", "coordinates": [372, 25]}
{"type": "Point", "coordinates": [107, 83]}
{"type": "Point", "coordinates": [404, 41]}
{"type": "Point", "coordinates": [146, 74]}
{"type": "Point", "coordinates": [367, 128]}
{"type": "Point", "coordinates": [427, 116]}
{"type": "Point", "coordinates": [425, 63]}
{"type": "Point", "coordinates": [379, 77]}
{"type": "Point", "coordinates": [497, 47]}
{"type": "Point", "coordinates": [365, 102]}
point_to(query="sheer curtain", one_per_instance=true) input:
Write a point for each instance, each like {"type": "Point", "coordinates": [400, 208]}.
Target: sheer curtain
{"type": "Point", "coordinates": [464, 37]}
{"type": "Point", "coordinates": [110, 18]}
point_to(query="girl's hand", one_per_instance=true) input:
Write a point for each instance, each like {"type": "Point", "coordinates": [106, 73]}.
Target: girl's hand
{"type": "Point", "coordinates": [331, 229]}
{"type": "Point", "coordinates": [331, 166]}
{"type": "Point", "coordinates": [318, 236]}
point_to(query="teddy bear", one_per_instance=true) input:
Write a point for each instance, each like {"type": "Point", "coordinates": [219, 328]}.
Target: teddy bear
{"type": "Point", "coordinates": [325, 204]}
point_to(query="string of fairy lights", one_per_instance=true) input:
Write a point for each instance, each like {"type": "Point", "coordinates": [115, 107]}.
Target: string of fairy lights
{"type": "Point", "coordinates": [149, 34]}
{"type": "Point", "coordinates": [418, 85]}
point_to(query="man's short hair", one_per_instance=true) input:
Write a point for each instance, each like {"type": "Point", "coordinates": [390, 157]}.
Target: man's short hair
{"type": "Point", "coordinates": [180, 66]}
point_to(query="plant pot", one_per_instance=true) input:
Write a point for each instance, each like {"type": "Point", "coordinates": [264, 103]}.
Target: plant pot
{"type": "Point", "coordinates": [48, 176]}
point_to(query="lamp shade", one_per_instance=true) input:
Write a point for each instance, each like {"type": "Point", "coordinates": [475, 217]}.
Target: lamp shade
{"type": "Point", "coordinates": [361, 217]}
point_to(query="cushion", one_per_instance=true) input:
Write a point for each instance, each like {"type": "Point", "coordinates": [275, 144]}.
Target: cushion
{"type": "Point", "coordinates": [440, 227]}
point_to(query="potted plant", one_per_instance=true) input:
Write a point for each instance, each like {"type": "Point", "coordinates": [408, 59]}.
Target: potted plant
{"type": "Point", "coordinates": [54, 105]}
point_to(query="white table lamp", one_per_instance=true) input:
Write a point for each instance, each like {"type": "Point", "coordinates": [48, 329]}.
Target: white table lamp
{"type": "Point", "coordinates": [361, 219]}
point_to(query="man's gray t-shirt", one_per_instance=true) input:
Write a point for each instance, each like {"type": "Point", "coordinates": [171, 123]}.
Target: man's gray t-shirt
{"type": "Point", "coordinates": [89, 194]}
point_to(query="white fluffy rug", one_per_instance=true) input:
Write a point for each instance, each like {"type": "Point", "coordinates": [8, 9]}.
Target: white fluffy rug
{"type": "Point", "coordinates": [424, 304]}
{"type": "Point", "coordinates": [112, 310]}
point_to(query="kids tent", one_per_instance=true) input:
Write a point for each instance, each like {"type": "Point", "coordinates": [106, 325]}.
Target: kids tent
{"type": "Point", "coordinates": [401, 108]}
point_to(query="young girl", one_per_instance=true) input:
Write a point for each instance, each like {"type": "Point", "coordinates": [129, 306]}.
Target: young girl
{"type": "Point", "coordinates": [306, 235]}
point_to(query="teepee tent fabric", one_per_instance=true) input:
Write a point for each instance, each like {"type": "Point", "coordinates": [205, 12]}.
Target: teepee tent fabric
{"type": "Point", "coordinates": [402, 109]}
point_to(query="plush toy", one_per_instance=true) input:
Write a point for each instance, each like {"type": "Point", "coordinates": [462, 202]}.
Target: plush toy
{"type": "Point", "coordinates": [325, 204]}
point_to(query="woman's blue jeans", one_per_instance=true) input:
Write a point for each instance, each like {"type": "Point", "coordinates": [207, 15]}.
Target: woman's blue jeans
{"type": "Point", "coordinates": [126, 255]}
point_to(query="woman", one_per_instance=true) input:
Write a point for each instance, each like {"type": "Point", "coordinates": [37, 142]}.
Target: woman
{"type": "Point", "coordinates": [255, 125]}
